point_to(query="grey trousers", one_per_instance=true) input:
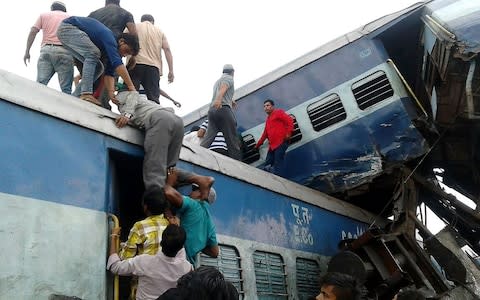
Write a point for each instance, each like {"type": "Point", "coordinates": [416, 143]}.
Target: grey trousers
{"type": "Point", "coordinates": [223, 120]}
{"type": "Point", "coordinates": [163, 141]}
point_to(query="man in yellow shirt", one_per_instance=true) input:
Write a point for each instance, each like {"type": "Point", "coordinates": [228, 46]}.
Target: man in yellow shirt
{"type": "Point", "coordinates": [146, 235]}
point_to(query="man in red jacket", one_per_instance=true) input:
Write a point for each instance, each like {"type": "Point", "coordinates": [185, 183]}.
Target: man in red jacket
{"type": "Point", "coordinates": [278, 130]}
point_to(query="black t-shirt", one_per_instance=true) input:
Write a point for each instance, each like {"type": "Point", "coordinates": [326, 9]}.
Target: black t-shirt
{"type": "Point", "coordinates": [114, 17]}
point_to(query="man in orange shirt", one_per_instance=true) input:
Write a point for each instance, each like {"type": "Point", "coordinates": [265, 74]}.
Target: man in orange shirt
{"type": "Point", "coordinates": [278, 130]}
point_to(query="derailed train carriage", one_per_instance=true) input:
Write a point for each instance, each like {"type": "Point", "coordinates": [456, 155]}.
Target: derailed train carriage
{"type": "Point", "coordinates": [395, 100]}
{"type": "Point", "coordinates": [385, 117]}
{"type": "Point", "coordinates": [66, 167]}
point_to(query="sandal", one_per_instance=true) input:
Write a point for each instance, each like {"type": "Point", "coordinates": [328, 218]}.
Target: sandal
{"type": "Point", "coordinates": [91, 99]}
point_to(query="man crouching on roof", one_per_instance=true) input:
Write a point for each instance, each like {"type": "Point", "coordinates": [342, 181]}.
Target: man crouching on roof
{"type": "Point", "coordinates": [163, 134]}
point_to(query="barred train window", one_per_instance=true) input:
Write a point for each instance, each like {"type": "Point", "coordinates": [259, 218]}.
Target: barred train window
{"type": "Point", "coordinates": [250, 153]}
{"type": "Point", "coordinates": [270, 276]}
{"type": "Point", "coordinates": [372, 89]}
{"type": "Point", "coordinates": [326, 112]}
{"type": "Point", "coordinates": [307, 278]}
{"type": "Point", "coordinates": [296, 134]}
{"type": "Point", "coordinates": [227, 262]}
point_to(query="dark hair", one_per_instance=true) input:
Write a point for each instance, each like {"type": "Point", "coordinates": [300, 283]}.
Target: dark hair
{"type": "Point", "coordinates": [58, 6]}
{"type": "Point", "coordinates": [117, 2]}
{"type": "Point", "coordinates": [206, 283]}
{"type": "Point", "coordinates": [345, 287]}
{"type": "Point", "coordinates": [147, 17]}
{"type": "Point", "coordinates": [173, 239]}
{"type": "Point", "coordinates": [269, 101]}
{"type": "Point", "coordinates": [231, 291]}
{"type": "Point", "coordinates": [154, 199]}
{"type": "Point", "coordinates": [172, 294]}
{"type": "Point", "coordinates": [410, 294]}
{"type": "Point", "coordinates": [132, 41]}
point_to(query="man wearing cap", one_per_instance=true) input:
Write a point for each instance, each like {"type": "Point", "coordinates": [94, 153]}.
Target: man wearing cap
{"type": "Point", "coordinates": [194, 217]}
{"type": "Point", "coordinates": [220, 114]}
{"type": "Point", "coordinates": [54, 58]}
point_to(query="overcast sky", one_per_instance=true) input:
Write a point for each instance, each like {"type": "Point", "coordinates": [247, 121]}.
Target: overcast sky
{"type": "Point", "coordinates": [256, 36]}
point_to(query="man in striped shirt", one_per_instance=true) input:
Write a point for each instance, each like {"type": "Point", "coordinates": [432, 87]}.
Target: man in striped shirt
{"type": "Point", "coordinates": [218, 145]}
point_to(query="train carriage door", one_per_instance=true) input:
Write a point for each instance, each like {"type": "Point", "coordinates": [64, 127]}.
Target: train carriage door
{"type": "Point", "coordinates": [126, 190]}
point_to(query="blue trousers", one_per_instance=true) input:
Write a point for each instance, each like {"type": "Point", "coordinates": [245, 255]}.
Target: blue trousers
{"type": "Point", "coordinates": [276, 159]}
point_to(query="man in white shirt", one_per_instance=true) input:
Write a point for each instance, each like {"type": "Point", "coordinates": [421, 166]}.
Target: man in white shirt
{"type": "Point", "coordinates": [156, 273]}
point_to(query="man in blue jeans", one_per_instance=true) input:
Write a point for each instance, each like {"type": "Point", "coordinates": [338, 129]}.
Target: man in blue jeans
{"type": "Point", "coordinates": [89, 41]}
{"type": "Point", "coordinates": [278, 130]}
{"type": "Point", "coordinates": [54, 58]}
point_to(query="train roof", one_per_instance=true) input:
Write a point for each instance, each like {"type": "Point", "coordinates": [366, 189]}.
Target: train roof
{"type": "Point", "coordinates": [343, 40]}
{"type": "Point", "coordinates": [457, 22]}
{"type": "Point", "coordinates": [37, 97]}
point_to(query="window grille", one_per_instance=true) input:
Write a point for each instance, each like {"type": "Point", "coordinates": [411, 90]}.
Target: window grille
{"type": "Point", "coordinates": [228, 263]}
{"type": "Point", "coordinates": [372, 89]}
{"type": "Point", "coordinates": [250, 153]}
{"type": "Point", "coordinates": [296, 134]}
{"type": "Point", "coordinates": [270, 276]}
{"type": "Point", "coordinates": [326, 112]}
{"type": "Point", "coordinates": [307, 278]}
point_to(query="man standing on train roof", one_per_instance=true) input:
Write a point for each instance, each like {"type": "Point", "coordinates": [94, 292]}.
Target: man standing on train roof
{"type": "Point", "coordinates": [89, 40]}
{"type": "Point", "coordinates": [54, 58]}
{"type": "Point", "coordinates": [220, 114]}
{"type": "Point", "coordinates": [115, 18]}
{"type": "Point", "coordinates": [163, 134]}
{"type": "Point", "coordinates": [278, 130]}
{"type": "Point", "coordinates": [148, 67]}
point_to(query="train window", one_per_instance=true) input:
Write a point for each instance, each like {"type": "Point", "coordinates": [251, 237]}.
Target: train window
{"type": "Point", "coordinates": [372, 89]}
{"type": "Point", "coordinates": [297, 134]}
{"type": "Point", "coordinates": [270, 276]}
{"type": "Point", "coordinates": [326, 112]}
{"type": "Point", "coordinates": [250, 153]}
{"type": "Point", "coordinates": [307, 278]}
{"type": "Point", "coordinates": [227, 262]}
